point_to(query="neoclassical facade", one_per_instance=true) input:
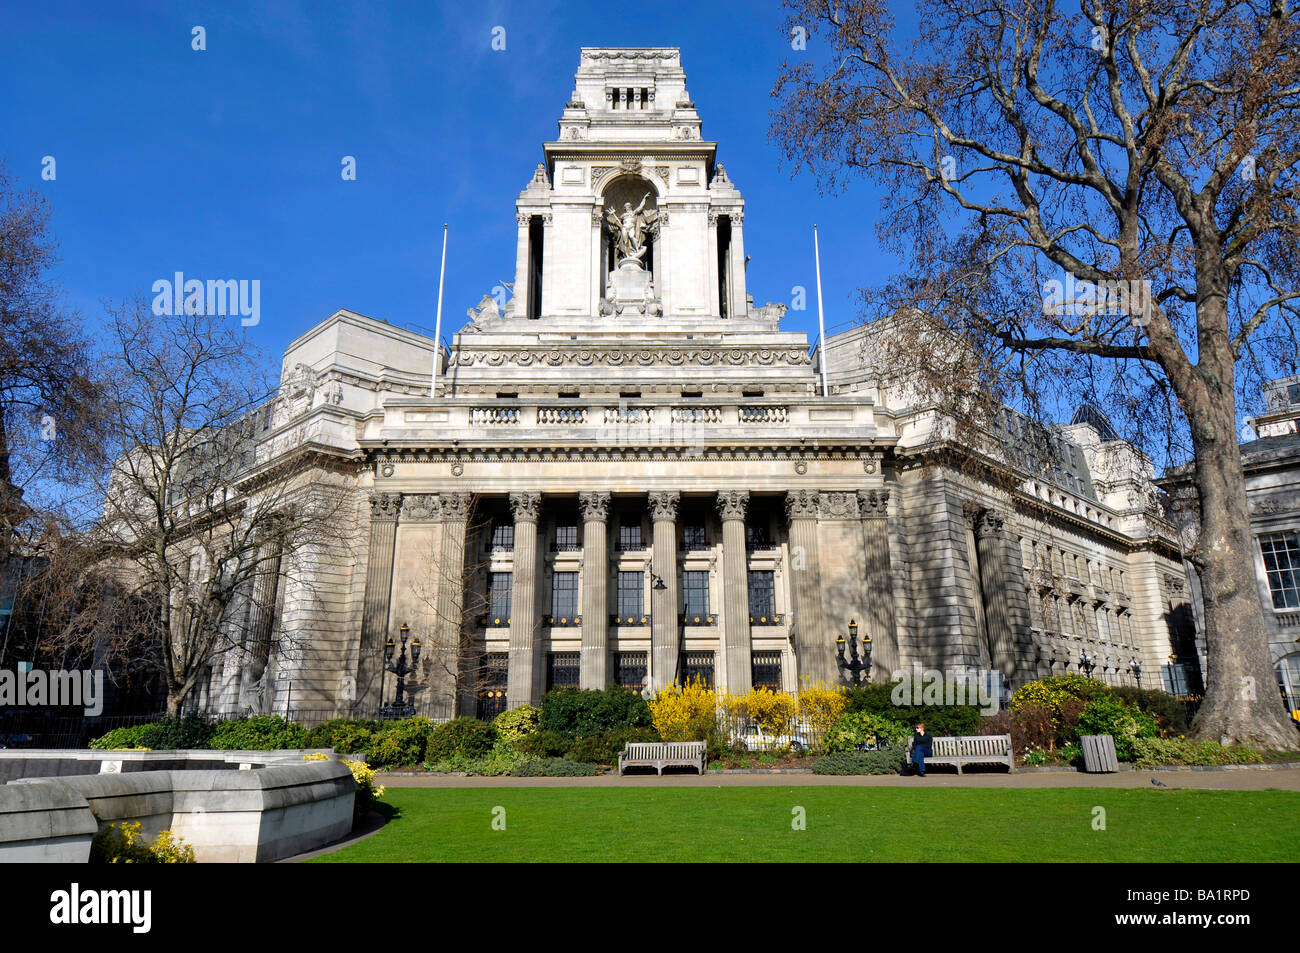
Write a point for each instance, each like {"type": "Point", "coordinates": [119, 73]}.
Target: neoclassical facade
{"type": "Point", "coordinates": [628, 473]}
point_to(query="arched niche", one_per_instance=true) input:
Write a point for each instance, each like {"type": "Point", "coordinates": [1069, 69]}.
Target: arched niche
{"type": "Point", "coordinates": [628, 188]}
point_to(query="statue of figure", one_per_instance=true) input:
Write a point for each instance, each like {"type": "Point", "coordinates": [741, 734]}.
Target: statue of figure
{"type": "Point", "coordinates": [630, 227]}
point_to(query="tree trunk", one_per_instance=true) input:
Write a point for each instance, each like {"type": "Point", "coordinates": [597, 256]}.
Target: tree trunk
{"type": "Point", "coordinates": [1242, 704]}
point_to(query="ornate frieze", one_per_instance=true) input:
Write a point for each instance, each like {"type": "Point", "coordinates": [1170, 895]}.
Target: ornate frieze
{"type": "Point", "coordinates": [594, 506]}
{"type": "Point", "coordinates": [384, 507]}
{"type": "Point", "coordinates": [525, 506]}
{"type": "Point", "coordinates": [663, 504]}
{"type": "Point", "coordinates": [643, 357]}
{"type": "Point", "coordinates": [801, 504]}
{"type": "Point", "coordinates": [421, 508]}
{"type": "Point", "coordinates": [732, 504]}
{"type": "Point", "coordinates": [838, 506]}
{"type": "Point", "coordinates": [873, 504]}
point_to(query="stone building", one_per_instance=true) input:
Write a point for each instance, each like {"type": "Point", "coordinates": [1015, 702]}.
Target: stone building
{"type": "Point", "coordinates": [628, 473]}
{"type": "Point", "coordinates": [1271, 462]}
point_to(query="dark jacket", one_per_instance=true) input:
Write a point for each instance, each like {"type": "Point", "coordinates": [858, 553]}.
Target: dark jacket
{"type": "Point", "coordinates": [925, 741]}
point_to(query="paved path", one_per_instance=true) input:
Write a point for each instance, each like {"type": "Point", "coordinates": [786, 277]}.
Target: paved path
{"type": "Point", "coordinates": [1245, 779]}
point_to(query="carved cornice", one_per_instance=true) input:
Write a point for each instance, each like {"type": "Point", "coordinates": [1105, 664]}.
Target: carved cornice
{"type": "Point", "coordinates": [838, 506]}
{"type": "Point", "coordinates": [594, 506]}
{"type": "Point", "coordinates": [643, 357]}
{"type": "Point", "coordinates": [802, 504]}
{"type": "Point", "coordinates": [384, 507]}
{"type": "Point", "coordinates": [422, 508]}
{"type": "Point", "coordinates": [732, 504]}
{"type": "Point", "coordinates": [873, 504]}
{"type": "Point", "coordinates": [525, 506]}
{"type": "Point", "coordinates": [663, 504]}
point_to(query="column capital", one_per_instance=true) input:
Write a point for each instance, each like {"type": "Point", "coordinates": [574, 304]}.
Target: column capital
{"type": "Point", "coordinates": [663, 504]}
{"type": "Point", "coordinates": [801, 504]}
{"type": "Point", "coordinates": [873, 504]}
{"type": "Point", "coordinates": [525, 506]}
{"type": "Point", "coordinates": [384, 507]}
{"type": "Point", "coordinates": [594, 506]}
{"type": "Point", "coordinates": [455, 506]}
{"type": "Point", "coordinates": [732, 504]}
{"type": "Point", "coordinates": [987, 524]}
{"type": "Point", "coordinates": [838, 506]}
{"type": "Point", "coordinates": [422, 508]}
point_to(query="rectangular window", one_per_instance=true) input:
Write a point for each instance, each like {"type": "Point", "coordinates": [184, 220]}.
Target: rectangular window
{"type": "Point", "coordinates": [762, 595]}
{"type": "Point", "coordinates": [563, 670]}
{"type": "Point", "coordinates": [1293, 393]}
{"type": "Point", "coordinates": [499, 598]}
{"type": "Point", "coordinates": [699, 665]}
{"type": "Point", "coordinates": [757, 536]}
{"type": "Point", "coordinates": [695, 597]}
{"type": "Point", "coordinates": [767, 670]}
{"type": "Point", "coordinates": [631, 595]}
{"type": "Point", "coordinates": [630, 670]}
{"type": "Point", "coordinates": [629, 537]}
{"type": "Point", "coordinates": [1282, 566]}
{"type": "Point", "coordinates": [492, 681]}
{"type": "Point", "coordinates": [693, 537]}
{"type": "Point", "coordinates": [564, 596]}
{"type": "Point", "coordinates": [503, 538]}
{"type": "Point", "coordinates": [566, 537]}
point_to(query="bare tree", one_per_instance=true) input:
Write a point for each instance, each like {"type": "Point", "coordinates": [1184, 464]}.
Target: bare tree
{"type": "Point", "coordinates": [202, 515]}
{"type": "Point", "coordinates": [1143, 156]}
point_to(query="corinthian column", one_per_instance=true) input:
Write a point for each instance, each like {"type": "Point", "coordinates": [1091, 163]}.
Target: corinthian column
{"type": "Point", "coordinates": [384, 508]}
{"type": "Point", "coordinates": [874, 508]}
{"type": "Point", "coordinates": [595, 589]}
{"type": "Point", "coordinates": [988, 545]}
{"type": "Point", "coordinates": [663, 602]}
{"type": "Point", "coordinates": [519, 301]}
{"type": "Point", "coordinates": [735, 590]}
{"type": "Point", "coordinates": [812, 644]}
{"type": "Point", "coordinates": [523, 600]}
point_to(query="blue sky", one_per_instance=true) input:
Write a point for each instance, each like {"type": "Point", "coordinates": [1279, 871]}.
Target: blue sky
{"type": "Point", "coordinates": [226, 163]}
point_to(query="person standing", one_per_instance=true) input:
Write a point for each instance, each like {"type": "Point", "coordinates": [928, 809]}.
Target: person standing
{"type": "Point", "coordinates": [922, 746]}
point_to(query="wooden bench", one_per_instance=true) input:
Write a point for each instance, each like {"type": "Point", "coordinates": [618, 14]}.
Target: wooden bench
{"type": "Point", "coordinates": [970, 749]}
{"type": "Point", "coordinates": [662, 754]}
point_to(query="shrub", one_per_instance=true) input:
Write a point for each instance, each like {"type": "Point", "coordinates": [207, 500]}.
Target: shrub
{"type": "Point", "coordinates": [1050, 692]}
{"type": "Point", "coordinates": [460, 736]}
{"type": "Point", "coordinates": [1170, 714]}
{"type": "Point", "coordinates": [886, 761]}
{"type": "Point", "coordinates": [516, 724]}
{"type": "Point", "coordinates": [685, 712]}
{"type": "Point", "coordinates": [403, 743]}
{"type": "Point", "coordinates": [344, 735]}
{"type": "Point", "coordinates": [857, 727]}
{"type": "Point", "coordinates": [127, 738]}
{"type": "Point", "coordinates": [773, 712]}
{"type": "Point", "coordinates": [544, 744]}
{"type": "Point", "coordinates": [258, 733]}
{"type": "Point", "coordinates": [940, 720]}
{"type": "Point", "coordinates": [1156, 752]}
{"type": "Point", "coordinates": [554, 768]}
{"type": "Point", "coordinates": [820, 707]}
{"type": "Point", "coordinates": [1108, 715]}
{"type": "Point", "coordinates": [368, 792]}
{"type": "Point", "coordinates": [185, 731]}
{"type": "Point", "coordinates": [581, 713]}
{"type": "Point", "coordinates": [122, 843]}
{"type": "Point", "coordinates": [605, 748]}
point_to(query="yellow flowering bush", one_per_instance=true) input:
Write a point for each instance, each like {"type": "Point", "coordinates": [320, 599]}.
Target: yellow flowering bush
{"type": "Point", "coordinates": [684, 712]}
{"type": "Point", "coordinates": [773, 712]}
{"type": "Point", "coordinates": [318, 756]}
{"type": "Point", "coordinates": [123, 843]}
{"type": "Point", "coordinates": [821, 706]}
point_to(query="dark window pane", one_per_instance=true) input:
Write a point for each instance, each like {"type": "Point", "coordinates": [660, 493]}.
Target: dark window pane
{"type": "Point", "coordinates": [564, 595]}
{"type": "Point", "coordinates": [699, 665]}
{"type": "Point", "coordinates": [767, 670]}
{"type": "Point", "coordinates": [762, 594]}
{"type": "Point", "coordinates": [629, 537]}
{"type": "Point", "coordinates": [492, 682]}
{"type": "Point", "coordinates": [630, 594]}
{"type": "Point", "coordinates": [630, 670]}
{"type": "Point", "coordinates": [695, 596]}
{"type": "Point", "coordinates": [566, 538]}
{"type": "Point", "coordinates": [693, 537]}
{"type": "Point", "coordinates": [563, 670]}
{"type": "Point", "coordinates": [503, 537]}
{"type": "Point", "coordinates": [499, 597]}
{"type": "Point", "coordinates": [757, 536]}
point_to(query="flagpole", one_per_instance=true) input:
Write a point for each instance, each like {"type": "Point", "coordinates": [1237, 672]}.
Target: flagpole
{"type": "Point", "coordinates": [821, 318]}
{"type": "Point", "coordinates": [437, 328]}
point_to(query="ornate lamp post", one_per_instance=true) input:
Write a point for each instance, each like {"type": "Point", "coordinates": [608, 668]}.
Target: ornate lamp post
{"type": "Point", "coordinates": [1135, 667]}
{"type": "Point", "coordinates": [1173, 672]}
{"type": "Point", "coordinates": [1086, 662]}
{"type": "Point", "coordinates": [400, 709]}
{"type": "Point", "coordinates": [857, 668]}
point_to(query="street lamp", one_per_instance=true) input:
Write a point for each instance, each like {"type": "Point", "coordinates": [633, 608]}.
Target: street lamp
{"type": "Point", "coordinates": [856, 668]}
{"type": "Point", "coordinates": [1173, 672]}
{"type": "Point", "coordinates": [1135, 667]}
{"type": "Point", "coordinates": [1086, 662]}
{"type": "Point", "coordinates": [399, 668]}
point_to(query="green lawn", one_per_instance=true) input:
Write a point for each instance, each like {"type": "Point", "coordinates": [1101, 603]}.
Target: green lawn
{"type": "Point", "coordinates": [843, 824]}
